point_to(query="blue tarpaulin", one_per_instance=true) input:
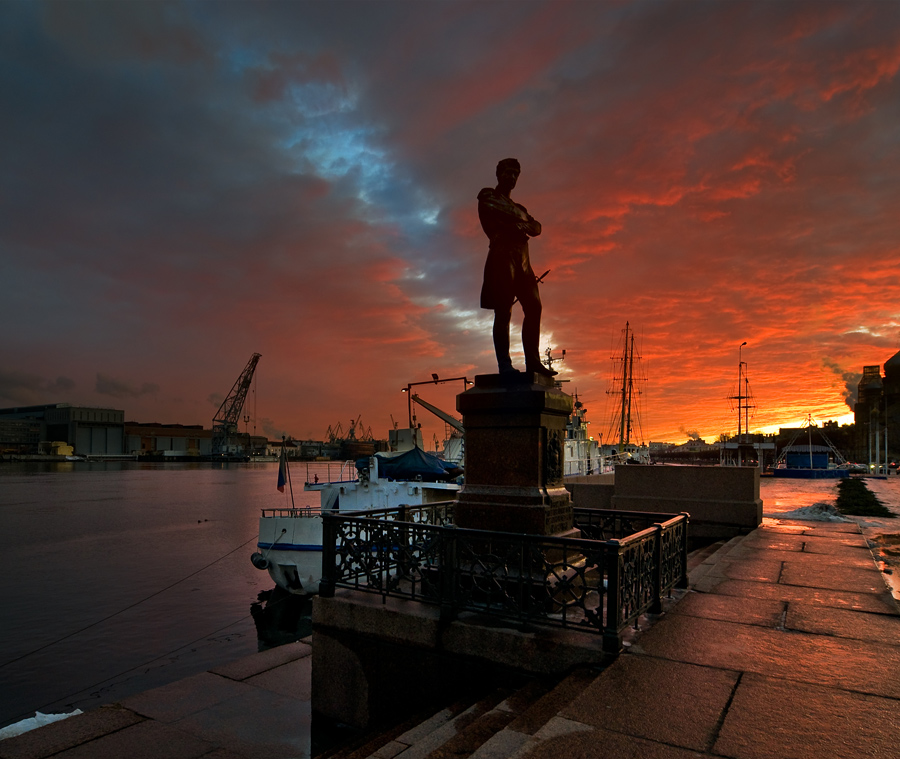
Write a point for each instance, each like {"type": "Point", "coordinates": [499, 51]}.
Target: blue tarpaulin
{"type": "Point", "coordinates": [414, 464]}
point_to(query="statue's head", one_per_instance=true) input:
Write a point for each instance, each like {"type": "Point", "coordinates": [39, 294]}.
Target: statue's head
{"type": "Point", "coordinates": [507, 164]}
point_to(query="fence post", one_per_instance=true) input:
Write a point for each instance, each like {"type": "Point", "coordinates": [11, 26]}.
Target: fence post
{"type": "Point", "coordinates": [656, 603]}
{"type": "Point", "coordinates": [449, 572]}
{"type": "Point", "coordinates": [683, 580]}
{"type": "Point", "coordinates": [612, 641]}
{"type": "Point", "coordinates": [329, 539]}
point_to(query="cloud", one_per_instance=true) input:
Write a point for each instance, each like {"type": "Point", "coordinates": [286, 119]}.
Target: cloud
{"type": "Point", "coordinates": [21, 388]}
{"type": "Point", "coordinates": [193, 184]}
{"type": "Point", "coordinates": [850, 379]}
{"type": "Point", "coordinates": [116, 388]}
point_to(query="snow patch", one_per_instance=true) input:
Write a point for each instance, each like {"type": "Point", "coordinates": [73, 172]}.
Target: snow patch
{"type": "Point", "coordinates": [817, 512]}
{"type": "Point", "coordinates": [38, 720]}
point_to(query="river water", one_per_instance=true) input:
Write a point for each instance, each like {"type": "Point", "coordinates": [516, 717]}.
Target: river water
{"type": "Point", "coordinates": [119, 577]}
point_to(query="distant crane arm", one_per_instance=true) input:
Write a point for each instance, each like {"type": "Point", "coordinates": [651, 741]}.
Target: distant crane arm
{"type": "Point", "coordinates": [230, 410]}
{"type": "Point", "coordinates": [453, 422]}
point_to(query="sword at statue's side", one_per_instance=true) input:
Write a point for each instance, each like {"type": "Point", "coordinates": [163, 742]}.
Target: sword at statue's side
{"type": "Point", "coordinates": [538, 280]}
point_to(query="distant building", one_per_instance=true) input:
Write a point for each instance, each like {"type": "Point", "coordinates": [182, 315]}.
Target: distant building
{"type": "Point", "coordinates": [877, 409]}
{"type": "Point", "coordinates": [172, 440]}
{"type": "Point", "coordinates": [20, 435]}
{"type": "Point", "coordinates": [88, 430]}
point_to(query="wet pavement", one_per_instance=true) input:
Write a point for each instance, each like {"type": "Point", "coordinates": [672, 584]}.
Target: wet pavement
{"type": "Point", "coordinates": [786, 646]}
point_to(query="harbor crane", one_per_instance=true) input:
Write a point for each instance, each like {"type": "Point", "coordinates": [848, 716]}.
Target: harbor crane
{"type": "Point", "coordinates": [225, 422]}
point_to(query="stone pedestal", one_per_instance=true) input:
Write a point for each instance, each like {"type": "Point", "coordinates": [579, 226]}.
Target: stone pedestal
{"type": "Point", "coordinates": [515, 427]}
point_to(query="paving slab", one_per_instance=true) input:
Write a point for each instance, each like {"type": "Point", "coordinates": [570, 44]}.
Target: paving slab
{"type": "Point", "coordinates": [834, 577]}
{"type": "Point", "coordinates": [846, 545]}
{"type": "Point", "coordinates": [67, 733]}
{"type": "Point", "coordinates": [763, 539]}
{"type": "Point", "coordinates": [852, 558]}
{"type": "Point", "coordinates": [293, 679]}
{"type": "Point", "coordinates": [756, 569]}
{"type": "Point", "coordinates": [666, 701]}
{"type": "Point", "coordinates": [257, 724]}
{"type": "Point", "coordinates": [749, 611]}
{"type": "Point", "coordinates": [169, 703]}
{"type": "Point", "coordinates": [812, 527]}
{"type": "Point", "coordinates": [816, 659]}
{"type": "Point", "coordinates": [255, 664]}
{"type": "Point", "coordinates": [147, 740]}
{"type": "Point", "coordinates": [605, 744]}
{"type": "Point", "coordinates": [773, 719]}
{"type": "Point", "coordinates": [877, 603]}
{"type": "Point", "coordinates": [879, 628]}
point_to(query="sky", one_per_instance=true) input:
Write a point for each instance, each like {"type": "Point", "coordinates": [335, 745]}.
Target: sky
{"type": "Point", "coordinates": [184, 184]}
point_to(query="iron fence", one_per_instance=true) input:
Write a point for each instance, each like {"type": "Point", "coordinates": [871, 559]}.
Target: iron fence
{"type": "Point", "coordinates": [600, 583]}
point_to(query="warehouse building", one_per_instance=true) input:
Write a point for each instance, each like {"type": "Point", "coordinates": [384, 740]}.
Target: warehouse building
{"type": "Point", "coordinates": [89, 431]}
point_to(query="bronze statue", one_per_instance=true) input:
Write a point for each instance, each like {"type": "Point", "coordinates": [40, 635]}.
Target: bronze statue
{"type": "Point", "coordinates": [508, 275]}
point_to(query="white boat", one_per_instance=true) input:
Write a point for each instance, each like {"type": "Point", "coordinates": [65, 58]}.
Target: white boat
{"type": "Point", "coordinates": [582, 451]}
{"type": "Point", "coordinates": [290, 539]}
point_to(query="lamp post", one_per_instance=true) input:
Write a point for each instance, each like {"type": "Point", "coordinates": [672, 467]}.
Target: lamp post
{"type": "Point", "coordinates": [740, 395]}
{"type": "Point", "coordinates": [435, 380]}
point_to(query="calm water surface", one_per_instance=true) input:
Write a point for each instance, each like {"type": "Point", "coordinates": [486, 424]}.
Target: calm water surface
{"type": "Point", "coordinates": [121, 577]}
{"type": "Point", "coordinates": [118, 577]}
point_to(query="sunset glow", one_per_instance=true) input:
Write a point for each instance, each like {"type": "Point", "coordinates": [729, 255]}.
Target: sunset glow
{"type": "Point", "coordinates": [195, 182]}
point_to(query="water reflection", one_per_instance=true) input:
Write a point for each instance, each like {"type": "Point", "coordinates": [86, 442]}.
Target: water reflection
{"type": "Point", "coordinates": [281, 617]}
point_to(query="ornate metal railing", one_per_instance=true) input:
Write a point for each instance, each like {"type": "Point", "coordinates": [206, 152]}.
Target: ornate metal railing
{"type": "Point", "coordinates": [599, 585]}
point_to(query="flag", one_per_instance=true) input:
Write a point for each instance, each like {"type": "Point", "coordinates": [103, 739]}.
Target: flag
{"type": "Point", "coordinates": [282, 470]}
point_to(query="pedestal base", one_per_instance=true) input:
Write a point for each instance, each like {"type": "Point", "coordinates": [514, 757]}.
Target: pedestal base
{"type": "Point", "coordinates": [515, 431]}
{"type": "Point", "coordinates": [534, 511]}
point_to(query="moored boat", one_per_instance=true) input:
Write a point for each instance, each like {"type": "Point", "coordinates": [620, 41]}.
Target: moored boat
{"type": "Point", "coordinates": [290, 539]}
{"type": "Point", "coordinates": [811, 462]}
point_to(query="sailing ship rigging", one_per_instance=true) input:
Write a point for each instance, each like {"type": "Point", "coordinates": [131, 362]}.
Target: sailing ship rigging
{"type": "Point", "coordinates": [625, 431]}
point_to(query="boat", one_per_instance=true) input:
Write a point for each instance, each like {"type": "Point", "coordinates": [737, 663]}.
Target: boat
{"type": "Point", "coordinates": [290, 539]}
{"type": "Point", "coordinates": [810, 462]}
{"type": "Point", "coordinates": [582, 451]}
{"type": "Point", "coordinates": [625, 418]}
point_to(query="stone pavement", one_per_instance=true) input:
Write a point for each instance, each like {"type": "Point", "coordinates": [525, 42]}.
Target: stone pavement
{"type": "Point", "coordinates": [255, 708]}
{"type": "Point", "coordinates": [786, 647]}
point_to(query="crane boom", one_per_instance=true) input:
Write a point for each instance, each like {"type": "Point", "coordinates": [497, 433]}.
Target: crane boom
{"type": "Point", "coordinates": [453, 422]}
{"type": "Point", "coordinates": [226, 419]}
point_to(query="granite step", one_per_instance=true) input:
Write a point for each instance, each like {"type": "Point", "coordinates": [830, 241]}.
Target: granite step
{"type": "Point", "coordinates": [708, 558]}
{"type": "Point", "coordinates": [442, 729]}
{"type": "Point", "coordinates": [456, 732]}
{"type": "Point", "coordinates": [515, 736]}
{"type": "Point", "coordinates": [367, 744]}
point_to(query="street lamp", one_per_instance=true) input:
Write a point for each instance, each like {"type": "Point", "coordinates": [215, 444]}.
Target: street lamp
{"type": "Point", "coordinates": [739, 395]}
{"type": "Point", "coordinates": [435, 380]}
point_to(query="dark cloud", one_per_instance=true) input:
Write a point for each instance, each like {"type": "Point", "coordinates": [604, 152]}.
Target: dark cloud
{"type": "Point", "coordinates": [194, 182]}
{"type": "Point", "coordinates": [117, 388]}
{"type": "Point", "coordinates": [22, 388]}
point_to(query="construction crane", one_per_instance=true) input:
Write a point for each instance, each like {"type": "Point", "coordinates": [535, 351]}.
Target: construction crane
{"type": "Point", "coordinates": [452, 421]}
{"type": "Point", "coordinates": [225, 422]}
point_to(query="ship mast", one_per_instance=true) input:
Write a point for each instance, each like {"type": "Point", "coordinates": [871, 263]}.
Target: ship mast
{"type": "Point", "coordinates": [626, 392]}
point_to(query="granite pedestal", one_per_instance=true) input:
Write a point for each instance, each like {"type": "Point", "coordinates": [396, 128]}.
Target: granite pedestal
{"type": "Point", "coordinates": [515, 431]}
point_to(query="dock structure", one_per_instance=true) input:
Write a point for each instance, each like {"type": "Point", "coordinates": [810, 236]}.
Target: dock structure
{"type": "Point", "coordinates": [786, 644]}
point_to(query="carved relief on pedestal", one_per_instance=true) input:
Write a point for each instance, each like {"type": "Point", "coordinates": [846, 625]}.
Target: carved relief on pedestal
{"type": "Point", "coordinates": [553, 461]}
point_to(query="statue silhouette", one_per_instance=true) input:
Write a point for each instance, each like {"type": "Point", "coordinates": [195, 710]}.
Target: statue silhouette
{"type": "Point", "coordinates": [508, 275]}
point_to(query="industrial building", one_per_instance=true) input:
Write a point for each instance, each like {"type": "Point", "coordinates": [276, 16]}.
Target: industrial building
{"type": "Point", "coordinates": [877, 409]}
{"type": "Point", "coordinates": [88, 431]}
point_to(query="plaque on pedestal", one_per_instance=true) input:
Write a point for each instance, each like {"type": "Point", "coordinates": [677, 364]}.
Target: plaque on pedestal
{"type": "Point", "coordinates": [515, 431]}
